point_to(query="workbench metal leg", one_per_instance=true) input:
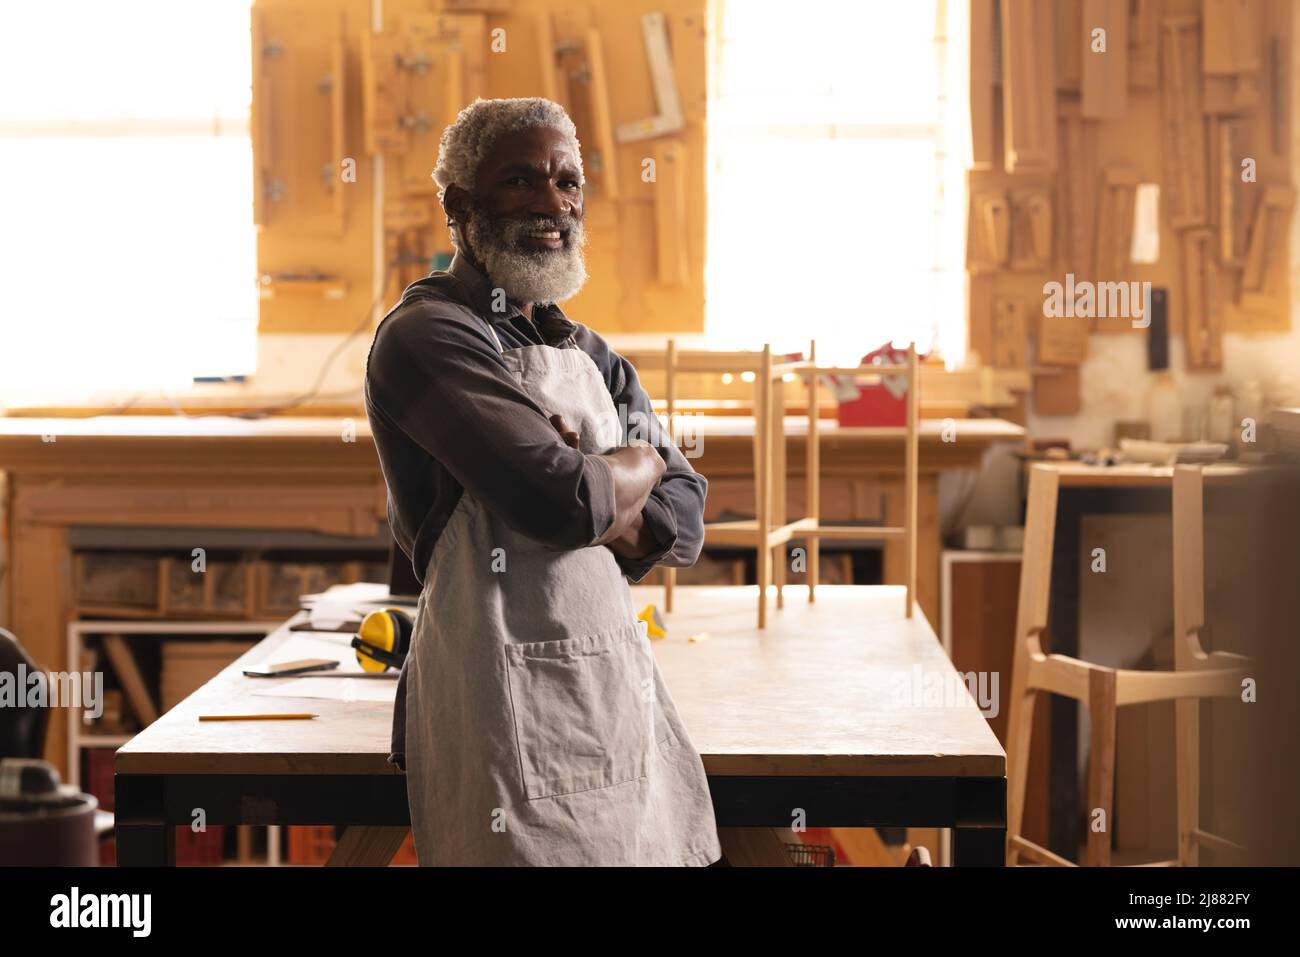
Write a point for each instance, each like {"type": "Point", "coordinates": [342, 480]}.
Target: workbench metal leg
{"type": "Point", "coordinates": [143, 837]}
{"type": "Point", "coordinates": [979, 846]}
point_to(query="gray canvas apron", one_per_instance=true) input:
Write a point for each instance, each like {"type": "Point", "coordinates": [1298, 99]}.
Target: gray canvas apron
{"type": "Point", "coordinates": [538, 728]}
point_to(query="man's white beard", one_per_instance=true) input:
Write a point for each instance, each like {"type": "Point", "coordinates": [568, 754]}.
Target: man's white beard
{"type": "Point", "coordinates": [541, 276]}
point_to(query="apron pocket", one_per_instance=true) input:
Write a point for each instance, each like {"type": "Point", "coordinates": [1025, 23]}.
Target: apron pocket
{"type": "Point", "coordinates": [584, 710]}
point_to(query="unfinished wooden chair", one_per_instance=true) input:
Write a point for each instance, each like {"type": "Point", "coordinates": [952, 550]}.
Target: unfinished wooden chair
{"type": "Point", "coordinates": [1197, 675]}
{"type": "Point", "coordinates": [812, 528]}
{"type": "Point", "coordinates": [771, 524]}
{"type": "Point", "coordinates": [768, 530]}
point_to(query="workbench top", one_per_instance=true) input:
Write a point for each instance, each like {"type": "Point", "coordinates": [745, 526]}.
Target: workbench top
{"type": "Point", "coordinates": [832, 688]}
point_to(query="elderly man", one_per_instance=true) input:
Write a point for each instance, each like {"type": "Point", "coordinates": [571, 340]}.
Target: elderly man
{"type": "Point", "coordinates": [531, 718]}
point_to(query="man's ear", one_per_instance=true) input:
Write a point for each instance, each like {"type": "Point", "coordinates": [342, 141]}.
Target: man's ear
{"type": "Point", "coordinates": [456, 203]}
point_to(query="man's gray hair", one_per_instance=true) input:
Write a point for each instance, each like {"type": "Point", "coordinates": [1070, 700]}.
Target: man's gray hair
{"type": "Point", "coordinates": [479, 125]}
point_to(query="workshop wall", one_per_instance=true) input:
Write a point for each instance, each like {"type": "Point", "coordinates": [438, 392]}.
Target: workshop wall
{"type": "Point", "coordinates": [347, 113]}
{"type": "Point", "coordinates": [1054, 190]}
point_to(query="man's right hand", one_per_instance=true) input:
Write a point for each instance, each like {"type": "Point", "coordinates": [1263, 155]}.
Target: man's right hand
{"type": "Point", "coordinates": [637, 470]}
{"type": "Point", "coordinates": [570, 437]}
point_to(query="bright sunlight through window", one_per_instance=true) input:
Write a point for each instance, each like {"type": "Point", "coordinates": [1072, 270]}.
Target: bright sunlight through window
{"type": "Point", "coordinates": [126, 239]}
{"type": "Point", "coordinates": [829, 166]}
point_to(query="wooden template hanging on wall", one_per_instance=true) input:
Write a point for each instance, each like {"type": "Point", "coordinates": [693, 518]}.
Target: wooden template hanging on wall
{"type": "Point", "coordinates": [1143, 45]}
{"type": "Point", "coordinates": [1115, 209]}
{"type": "Point", "coordinates": [1184, 142]}
{"type": "Point", "coordinates": [1010, 329]}
{"type": "Point", "coordinates": [1105, 59]}
{"type": "Point", "coordinates": [1028, 85]}
{"type": "Point", "coordinates": [982, 79]}
{"type": "Point", "coordinates": [1076, 207]}
{"type": "Point", "coordinates": [988, 235]}
{"type": "Point", "coordinates": [1031, 228]}
{"type": "Point", "coordinates": [1263, 279]}
{"type": "Point", "coordinates": [1056, 391]}
{"type": "Point", "coordinates": [1202, 301]}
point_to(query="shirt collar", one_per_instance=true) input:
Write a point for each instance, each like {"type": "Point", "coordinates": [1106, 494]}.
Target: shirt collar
{"type": "Point", "coordinates": [550, 320]}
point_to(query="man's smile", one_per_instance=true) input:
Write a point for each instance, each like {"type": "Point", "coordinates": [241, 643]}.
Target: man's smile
{"type": "Point", "coordinates": [544, 238]}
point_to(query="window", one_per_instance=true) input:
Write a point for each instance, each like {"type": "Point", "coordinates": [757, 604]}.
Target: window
{"type": "Point", "coordinates": [830, 163]}
{"type": "Point", "coordinates": [126, 239]}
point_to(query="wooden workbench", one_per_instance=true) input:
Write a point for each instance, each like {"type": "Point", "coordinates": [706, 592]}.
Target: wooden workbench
{"type": "Point", "coordinates": [322, 475]}
{"type": "Point", "coordinates": [818, 712]}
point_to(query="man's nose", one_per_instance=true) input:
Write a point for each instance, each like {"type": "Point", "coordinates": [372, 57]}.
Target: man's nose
{"type": "Point", "coordinates": [553, 203]}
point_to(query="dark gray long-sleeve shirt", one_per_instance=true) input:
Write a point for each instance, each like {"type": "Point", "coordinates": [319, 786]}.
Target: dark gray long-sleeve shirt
{"type": "Point", "coordinates": [447, 416]}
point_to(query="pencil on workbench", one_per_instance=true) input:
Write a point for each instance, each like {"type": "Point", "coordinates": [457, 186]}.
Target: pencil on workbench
{"type": "Point", "coordinates": [254, 717]}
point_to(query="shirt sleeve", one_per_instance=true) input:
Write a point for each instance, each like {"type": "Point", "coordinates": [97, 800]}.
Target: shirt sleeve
{"type": "Point", "coordinates": [674, 511]}
{"type": "Point", "coordinates": [437, 374]}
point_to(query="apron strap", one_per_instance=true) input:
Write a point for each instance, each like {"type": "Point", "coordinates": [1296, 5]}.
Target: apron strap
{"type": "Point", "coordinates": [495, 337]}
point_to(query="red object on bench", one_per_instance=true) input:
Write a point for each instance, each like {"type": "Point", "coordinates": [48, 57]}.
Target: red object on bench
{"type": "Point", "coordinates": [877, 404]}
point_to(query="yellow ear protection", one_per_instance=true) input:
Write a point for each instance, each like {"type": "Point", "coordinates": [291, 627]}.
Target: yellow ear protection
{"type": "Point", "coordinates": [384, 639]}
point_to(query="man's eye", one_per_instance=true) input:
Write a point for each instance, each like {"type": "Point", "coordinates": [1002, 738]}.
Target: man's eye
{"type": "Point", "coordinates": [569, 184]}
{"type": "Point", "coordinates": [517, 181]}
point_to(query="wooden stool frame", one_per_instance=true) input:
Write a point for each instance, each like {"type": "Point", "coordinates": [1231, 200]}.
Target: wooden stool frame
{"type": "Point", "coordinates": [770, 530]}
{"type": "Point", "coordinates": [1197, 675]}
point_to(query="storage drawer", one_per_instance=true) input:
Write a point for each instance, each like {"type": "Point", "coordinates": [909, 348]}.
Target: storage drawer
{"type": "Point", "coordinates": [116, 582]}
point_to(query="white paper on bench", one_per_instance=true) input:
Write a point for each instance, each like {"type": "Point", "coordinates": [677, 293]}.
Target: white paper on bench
{"type": "Point", "coordinates": [315, 644]}
{"type": "Point", "coordinates": [335, 689]}
{"type": "Point", "coordinates": [331, 614]}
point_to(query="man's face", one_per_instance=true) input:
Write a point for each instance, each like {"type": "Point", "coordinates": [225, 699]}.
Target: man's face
{"type": "Point", "coordinates": [524, 221]}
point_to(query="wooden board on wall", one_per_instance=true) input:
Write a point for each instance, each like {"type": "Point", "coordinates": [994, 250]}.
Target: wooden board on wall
{"type": "Point", "coordinates": [314, 229]}
{"type": "Point", "coordinates": [1010, 329]}
{"type": "Point", "coordinates": [1114, 236]}
{"type": "Point", "coordinates": [1031, 228]}
{"type": "Point", "coordinates": [988, 231]}
{"type": "Point", "coordinates": [1263, 278]}
{"type": "Point", "coordinates": [1028, 85]}
{"type": "Point", "coordinates": [982, 81]}
{"type": "Point", "coordinates": [1105, 62]}
{"type": "Point", "coordinates": [1061, 340]}
{"type": "Point", "coordinates": [979, 310]}
{"type": "Point", "coordinates": [1144, 45]}
{"type": "Point", "coordinates": [1056, 391]}
{"type": "Point", "coordinates": [1071, 45]}
{"type": "Point", "coordinates": [1185, 185]}
{"type": "Point", "coordinates": [1076, 203]}
{"type": "Point", "coordinates": [1202, 301]}
{"type": "Point", "coordinates": [1230, 35]}
{"type": "Point", "coordinates": [1233, 198]}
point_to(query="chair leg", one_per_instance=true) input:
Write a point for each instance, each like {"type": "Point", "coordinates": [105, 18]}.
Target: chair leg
{"type": "Point", "coordinates": [1031, 618]}
{"type": "Point", "coordinates": [1101, 767]}
{"type": "Point", "coordinates": [1187, 762]}
{"type": "Point", "coordinates": [1020, 730]}
{"type": "Point", "coordinates": [1189, 618]}
{"type": "Point", "coordinates": [814, 551]}
{"type": "Point", "coordinates": [782, 556]}
{"type": "Point", "coordinates": [670, 579]}
{"type": "Point", "coordinates": [764, 575]}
